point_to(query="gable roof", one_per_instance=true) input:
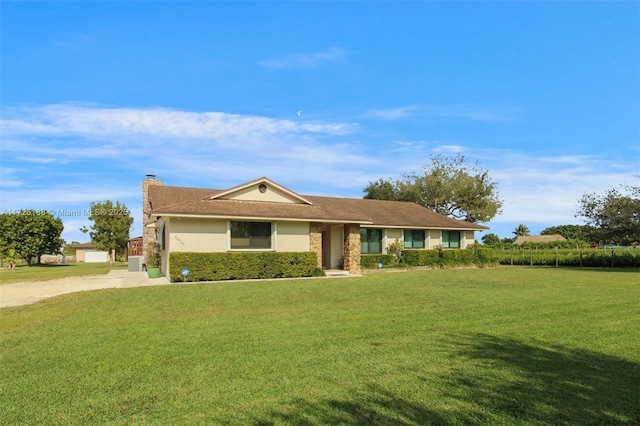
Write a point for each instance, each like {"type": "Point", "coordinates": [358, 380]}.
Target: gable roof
{"type": "Point", "coordinates": [229, 193]}
{"type": "Point", "coordinates": [539, 239]}
{"type": "Point", "coordinates": [180, 201]}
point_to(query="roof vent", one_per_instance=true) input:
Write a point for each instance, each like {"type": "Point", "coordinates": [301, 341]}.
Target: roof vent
{"type": "Point", "coordinates": [151, 176]}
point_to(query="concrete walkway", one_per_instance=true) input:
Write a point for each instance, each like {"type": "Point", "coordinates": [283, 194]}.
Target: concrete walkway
{"type": "Point", "coordinates": [25, 293]}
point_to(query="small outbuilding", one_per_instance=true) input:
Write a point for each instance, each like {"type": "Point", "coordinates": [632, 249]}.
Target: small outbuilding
{"type": "Point", "coordinates": [87, 253]}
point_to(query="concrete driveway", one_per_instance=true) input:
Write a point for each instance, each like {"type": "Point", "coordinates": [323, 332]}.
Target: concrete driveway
{"type": "Point", "coordinates": [25, 293]}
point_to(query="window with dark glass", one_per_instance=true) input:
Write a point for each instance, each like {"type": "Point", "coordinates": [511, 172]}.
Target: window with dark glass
{"type": "Point", "coordinates": [250, 235]}
{"type": "Point", "coordinates": [413, 238]}
{"type": "Point", "coordinates": [370, 240]}
{"type": "Point", "coordinates": [451, 239]}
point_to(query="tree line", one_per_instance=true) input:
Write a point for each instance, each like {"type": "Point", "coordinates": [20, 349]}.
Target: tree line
{"type": "Point", "coordinates": [453, 187]}
{"type": "Point", "coordinates": [28, 234]}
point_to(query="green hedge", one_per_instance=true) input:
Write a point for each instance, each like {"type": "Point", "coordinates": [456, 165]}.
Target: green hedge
{"type": "Point", "coordinates": [371, 261]}
{"type": "Point", "coordinates": [243, 265]}
{"type": "Point", "coordinates": [598, 258]}
{"type": "Point", "coordinates": [479, 256]}
{"type": "Point", "coordinates": [436, 258]}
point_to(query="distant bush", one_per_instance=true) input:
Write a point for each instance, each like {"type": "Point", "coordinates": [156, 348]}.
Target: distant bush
{"type": "Point", "coordinates": [243, 265]}
{"type": "Point", "coordinates": [562, 244]}
{"type": "Point", "coordinates": [618, 258]}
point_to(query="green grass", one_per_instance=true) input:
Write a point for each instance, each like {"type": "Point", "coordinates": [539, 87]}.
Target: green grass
{"type": "Point", "coordinates": [511, 345]}
{"type": "Point", "coordinates": [54, 271]}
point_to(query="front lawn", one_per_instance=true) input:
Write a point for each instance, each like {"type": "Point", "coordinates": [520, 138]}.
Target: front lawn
{"type": "Point", "coordinates": [56, 270]}
{"type": "Point", "coordinates": [512, 345]}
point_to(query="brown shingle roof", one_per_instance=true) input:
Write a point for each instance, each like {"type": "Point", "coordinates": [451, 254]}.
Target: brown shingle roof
{"type": "Point", "coordinates": [196, 201]}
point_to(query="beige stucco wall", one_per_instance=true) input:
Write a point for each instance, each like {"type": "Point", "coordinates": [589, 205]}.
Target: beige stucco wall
{"type": "Point", "coordinates": [391, 236]}
{"type": "Point", "coordinates": [197, 235]}
{"type": "Point", "coordinates": [210, 235]}
{"type": "Point", "coordinates": [470, 238]}
{"type": "Point", "coordinates": [292, 236]}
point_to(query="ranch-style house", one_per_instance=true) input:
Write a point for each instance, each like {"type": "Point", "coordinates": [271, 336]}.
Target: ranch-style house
{"type": "Point", "coordinates": [263, 215]}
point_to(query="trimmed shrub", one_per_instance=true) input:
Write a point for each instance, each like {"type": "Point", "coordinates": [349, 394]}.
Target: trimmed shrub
{"type": "Point", "coordinates": [421, 258]}
{"type": "Point", "coordinates": [371, 261]}
{"type": "Point", "coordinates": [436, 258]}
{"type": "Point", "coordinates": [243, 265]}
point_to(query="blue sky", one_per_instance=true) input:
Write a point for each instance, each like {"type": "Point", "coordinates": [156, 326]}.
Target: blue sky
{"type": "Point", "coordinates": [95, 95]}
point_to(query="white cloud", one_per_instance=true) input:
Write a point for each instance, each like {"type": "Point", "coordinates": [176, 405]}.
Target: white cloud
{"type": "Point", "coordinates": [97, 121]}
{"type": "Point", "coordinates": [457, 111]}
{"type": "Point", "coordinates": [91, 144]}
{"type": "Point", "coordinates": [392, 113]}
{"type": "Point", "coordinates": [305, 60]}
{"type": "Point", "coordinates": [8, 179]}
{"type": "Point", "coordinates": [546, 189]}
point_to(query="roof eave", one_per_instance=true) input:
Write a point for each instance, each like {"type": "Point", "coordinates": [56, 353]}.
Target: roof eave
{"type": "Point", "coordinates": [264, 218]}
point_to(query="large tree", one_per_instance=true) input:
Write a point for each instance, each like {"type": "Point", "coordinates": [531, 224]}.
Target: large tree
{"type": "Point", "coordinates": [30, 234]}
{"type": "Point", "coordinates": [491, 239]}
{"type": "Point", "coordinates": [521, 231]}
{"type": "Point", "coordinates": [615, 215]}
{"type": "Point", "coordinates": [447, 185]}
{"type": "Point", "coordinates": [571, 232]}
{"type": "Point", "coordinates": [111, 225]}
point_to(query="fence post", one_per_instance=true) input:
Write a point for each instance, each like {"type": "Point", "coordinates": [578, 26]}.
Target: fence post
{"type": "Point", "coordinates": [556, 256]}
{"type": "Point", "coordinates": [531, 257]}
{"type": "Point", "coordinates": [580, 258]}
{"type": "Point", "coordinates": [612, 257]}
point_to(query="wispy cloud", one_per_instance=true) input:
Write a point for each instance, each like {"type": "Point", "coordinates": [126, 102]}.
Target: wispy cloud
{"type": "Point", "coordinates": [392, 113]}
{"type": "Point", "coordinates": [97, 121]}
{"type": "Point", "coordinates": [305, 60]}
{"type": "Point", "coordinates": [456, 111]}
{"type": "Point", "coordinates": [218, 150]}
{"type": "Point", "coordinates": [209, 149]}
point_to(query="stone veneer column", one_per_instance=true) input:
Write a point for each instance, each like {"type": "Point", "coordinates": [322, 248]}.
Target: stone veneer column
{"type": "Point", "coordinates": [352, 247]}
{"type": "Point", "coordinates": [148, 234]}
{"type": "Point", "coordinates": [315, 240]}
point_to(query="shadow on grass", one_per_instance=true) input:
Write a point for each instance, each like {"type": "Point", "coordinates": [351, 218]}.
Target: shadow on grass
{"type": "Point", "coordinates": [500, 381]}
{"type": "Point", "coordinates": [42, 265]}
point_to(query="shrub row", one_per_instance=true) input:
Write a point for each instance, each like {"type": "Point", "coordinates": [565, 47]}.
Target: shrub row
{"type": "Point", "coordinates": [577, 257]}
{"type": "Point", "coordinates": [436, 258]}
{"type": "Point", "coordinates": [243, 265]}
{"type": "Point", "coordinates": [476, 256]}
{"type": "Point", "coordinates": [563, 244]}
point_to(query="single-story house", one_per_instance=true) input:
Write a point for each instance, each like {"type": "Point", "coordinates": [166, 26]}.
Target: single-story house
{"type": "Point", "coordinates": [538, 239]}
{"type": "Point", "coordinates": [263, 215]}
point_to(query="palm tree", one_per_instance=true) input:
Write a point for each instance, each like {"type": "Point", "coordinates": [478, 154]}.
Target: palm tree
{"type": "Point", "coordinates": [521, 231]}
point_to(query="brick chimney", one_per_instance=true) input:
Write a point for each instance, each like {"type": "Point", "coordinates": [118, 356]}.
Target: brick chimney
{"type": "Point", "coordinates": [148, 233]}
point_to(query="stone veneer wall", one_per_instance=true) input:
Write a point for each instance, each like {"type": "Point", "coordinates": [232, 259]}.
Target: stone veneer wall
{"type": "Point", "coordinates": [148, 234]}
{"type": "Point", "coordinates": [315, 240]}
{"type": "Point", "coordinates": [352, 247]}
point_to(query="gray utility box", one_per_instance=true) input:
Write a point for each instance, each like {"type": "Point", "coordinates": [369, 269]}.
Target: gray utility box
{"type": "Point", "coordinates": [136, 263]}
